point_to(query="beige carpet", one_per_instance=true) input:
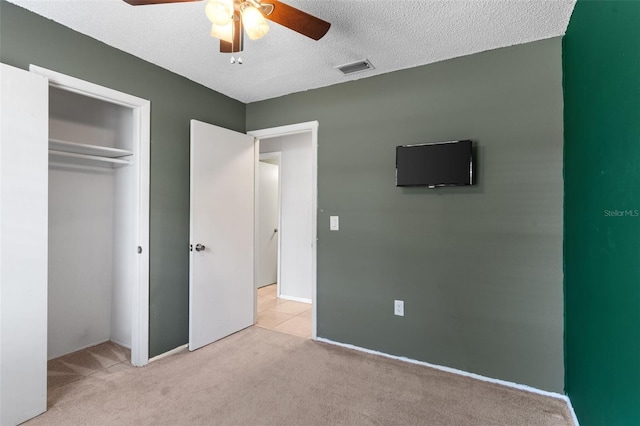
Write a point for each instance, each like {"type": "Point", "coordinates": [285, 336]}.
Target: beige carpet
{"type": "Point", "coordinates": [78, 365]}
{"type": "Point", "coordinates": [262, 377]}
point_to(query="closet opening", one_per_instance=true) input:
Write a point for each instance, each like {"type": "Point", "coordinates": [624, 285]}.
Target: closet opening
{"type": "Point", "coordinates": [90, 203]}
{"type": "Point", "coordinates": [75, 230]}
{"type": "Point", "coordinates": [97, 229]}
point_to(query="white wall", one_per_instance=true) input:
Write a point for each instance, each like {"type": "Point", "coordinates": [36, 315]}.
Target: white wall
{"type": "Point", "coordinates": [80, 258]}
{"type": "Point", "coordinates": [296, 213]}
{"type": "Point", "coordinates": [82, 119]}
{"type": "Point", "coordinates": [124, 269]}
{"type": "Point", "coordinates": [268, 198]}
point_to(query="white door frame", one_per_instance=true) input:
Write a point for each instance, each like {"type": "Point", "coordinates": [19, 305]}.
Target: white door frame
{"type": "Point", "coordinates": [311, 127]}
{"type": "Point", "coordinates": [269, 156]}
{"type": "Point", "coordinates": [141, 148]}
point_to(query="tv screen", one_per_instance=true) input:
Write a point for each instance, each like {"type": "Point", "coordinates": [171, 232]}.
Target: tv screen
{"type": "Point", "coordinates": [434, 164]}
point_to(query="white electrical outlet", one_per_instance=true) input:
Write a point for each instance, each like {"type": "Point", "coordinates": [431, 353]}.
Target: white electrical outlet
{"type": "Point", "coordinates": [398, 308]}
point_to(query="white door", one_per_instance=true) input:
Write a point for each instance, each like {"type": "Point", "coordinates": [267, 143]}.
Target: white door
{"type": "Point", "coordinates": [23, 244]}
{"type": "Point", "coordinates": [221, 267]}
{"type": "Point", "coordinates": [267, 255]}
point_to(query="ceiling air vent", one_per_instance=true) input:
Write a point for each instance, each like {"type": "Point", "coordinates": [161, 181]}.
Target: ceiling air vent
{"type": "Point", "coordinates": [354, 67]}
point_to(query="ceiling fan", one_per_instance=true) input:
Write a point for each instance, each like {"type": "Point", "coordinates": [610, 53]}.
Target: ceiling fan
{"type": "Point", "coordinates": [229, 17]}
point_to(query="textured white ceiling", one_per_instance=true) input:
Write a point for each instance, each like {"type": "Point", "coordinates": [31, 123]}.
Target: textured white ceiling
{"type": "Point", "coordinates": [392, 34]}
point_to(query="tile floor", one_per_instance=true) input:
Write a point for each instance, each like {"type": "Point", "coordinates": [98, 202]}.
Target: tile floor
{"type": "Point", "coordinates": [107, 357]}
{"type": "Point", "coordinates": [283, 315]}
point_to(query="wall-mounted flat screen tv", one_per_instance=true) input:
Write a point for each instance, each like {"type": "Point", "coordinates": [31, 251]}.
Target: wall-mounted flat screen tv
{"type": "Point", "coordinates": [435, 164]}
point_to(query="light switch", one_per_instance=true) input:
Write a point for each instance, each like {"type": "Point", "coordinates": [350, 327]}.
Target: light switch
{"type": "Point", "coordinates": [334, 223]}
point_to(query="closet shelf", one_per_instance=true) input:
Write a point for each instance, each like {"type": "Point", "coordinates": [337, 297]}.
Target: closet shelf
{"type": "Point", "coordinates": [86, 149]}
{"type": "Point", "coordinates": [86, 160]}
{"type": "Point", "coordinates": [88, 155]}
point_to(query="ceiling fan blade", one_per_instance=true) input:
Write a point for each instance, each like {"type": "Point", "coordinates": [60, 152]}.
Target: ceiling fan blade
{"type": "Point", "coordinates": [238, 37]}
{"type": "Point", "coordinates": [145, 2]}
{"type": "Point", "coordinates": [297, 20]}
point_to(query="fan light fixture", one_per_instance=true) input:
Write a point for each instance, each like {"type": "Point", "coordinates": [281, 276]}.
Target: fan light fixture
{"type": "Point", "coordinates": [219, 12]}
{"type": "Point", "coordinates": [223, 32]}
{"type": "Point", "coordinates": [229, 17]}
{"type": "Point", "coordinates": [222, 14]}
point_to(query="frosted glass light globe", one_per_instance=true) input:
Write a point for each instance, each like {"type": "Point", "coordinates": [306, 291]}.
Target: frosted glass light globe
{"type": "Point", "coordinates": [254, 23]}
{"type": "Point", "coordinates": [219, 11]}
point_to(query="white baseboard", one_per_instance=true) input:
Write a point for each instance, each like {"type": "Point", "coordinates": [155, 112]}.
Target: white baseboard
{"type": "Point", "coordinates": [573, 413]}
{"type": "Point", "coordinates": [169, 353]}
{"type": "Point", "coordinates": [295, 299]}
{"type": "Point", "coordinates": [460, 373]}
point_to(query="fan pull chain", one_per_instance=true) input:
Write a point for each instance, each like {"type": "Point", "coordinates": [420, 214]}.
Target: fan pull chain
{"type": "Point", "coordinates": [233, 60]}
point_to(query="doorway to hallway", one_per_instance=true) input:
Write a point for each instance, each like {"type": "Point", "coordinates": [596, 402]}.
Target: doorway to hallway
{"type": "Point", "coordinates": [289, 303]}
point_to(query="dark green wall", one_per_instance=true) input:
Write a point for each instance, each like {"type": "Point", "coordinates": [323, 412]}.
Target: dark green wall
{"type": "Point", "coordinates": [479, 268]}
{"type": "Point", "coordinates": [602, 175]}
{"type": "Point", "coordinates": [26, 38]}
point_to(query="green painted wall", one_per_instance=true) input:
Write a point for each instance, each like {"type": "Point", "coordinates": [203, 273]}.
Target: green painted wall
{"type": "Point", "coordinates": [26, 38]}
{"type": "Point", "coordinates": [602, 180]}
{"type": "Point", "coordinates": [479, 268]}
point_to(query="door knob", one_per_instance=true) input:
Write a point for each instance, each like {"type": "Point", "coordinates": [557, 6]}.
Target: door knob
{"type": "Point", "coordinates": [200, 247]}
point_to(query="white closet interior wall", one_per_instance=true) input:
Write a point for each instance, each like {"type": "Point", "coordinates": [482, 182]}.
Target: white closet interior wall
{"type": "Point", "coordinates": [91, 228]}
